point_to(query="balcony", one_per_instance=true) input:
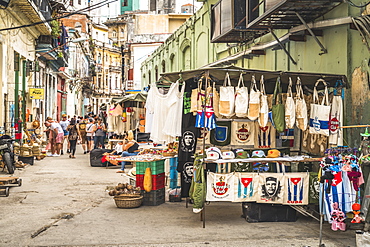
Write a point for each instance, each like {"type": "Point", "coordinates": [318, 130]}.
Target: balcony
{"type": "Point", "coordinates": [234, 21]}
{"type": "Point", "coordinates": [283, 14]}
{"type": "Point", "coordinates": [115, 68]}
{"type": "Point", "coordinates": [36, 11]}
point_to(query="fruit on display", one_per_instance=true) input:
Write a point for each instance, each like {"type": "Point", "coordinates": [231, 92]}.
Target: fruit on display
{"type": "Point", "coordinates": [148, 185]}
{"type": "Point", "coordinates": [124, 189]}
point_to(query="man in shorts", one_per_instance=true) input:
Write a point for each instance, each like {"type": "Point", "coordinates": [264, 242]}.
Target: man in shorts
{"type": "Point", "coordinates": [56, 135]}
{"type": "Point", "coordinates": [90, 134]}
{"type": "Point", "coordinates": [64, 124]}
{"type": "Point", "coordinates": [81, 128]}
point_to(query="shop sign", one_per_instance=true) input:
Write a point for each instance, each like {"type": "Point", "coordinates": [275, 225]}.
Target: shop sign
{"type": "Point", "coordinates": [36, 93]}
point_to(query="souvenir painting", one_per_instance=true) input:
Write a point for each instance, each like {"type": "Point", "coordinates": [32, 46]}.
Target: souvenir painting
{"type": "Point", "coordinates": [220, 187]}
{"type": "Point", "coordinates": [242, 133]}
{"type": "Point", "coordinates": [245, 187]}
{"type": "Point", "coordinates": [270, 188]}
{"type": "Point", "coordinates": [296, 188]}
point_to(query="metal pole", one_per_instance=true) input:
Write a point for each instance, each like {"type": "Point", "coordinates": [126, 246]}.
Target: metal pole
{"type": "Point", "coordinates": [283, 47]}
{"type": "Point", "coordinates": [312, 34]}
{"type": "Point", "coordinates": [321, 213]}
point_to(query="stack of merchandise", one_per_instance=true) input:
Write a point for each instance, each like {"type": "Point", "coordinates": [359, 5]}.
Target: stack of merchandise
{"type": "Point", "coordinates": [150, 176]}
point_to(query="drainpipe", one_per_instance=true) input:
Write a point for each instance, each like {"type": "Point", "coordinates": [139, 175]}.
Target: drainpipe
{"type": "Point", "coordinates": [24, 64]}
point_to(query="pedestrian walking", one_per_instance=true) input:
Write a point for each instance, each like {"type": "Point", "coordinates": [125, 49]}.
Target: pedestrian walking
{"type": "Point", "coordinates": [64, 123]}
{"type": "Point", "coordinates": [55, 137]}
{"type": "Point", "coordinates": [90, 134]}
{"type": "Point", "coordinates": [82, 133]}
{"type": "Point", "coordinates": [130, 148]}
{"type": "Point", "coordinates": [99, 131]}
{"type": "Point", "coordinates": [72, 138]}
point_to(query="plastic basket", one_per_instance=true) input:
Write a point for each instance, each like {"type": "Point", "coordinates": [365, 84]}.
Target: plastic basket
{"type": "Point", "coordinates": [158, 181]}
{"type": "Point", "coordinates": [156, 167]}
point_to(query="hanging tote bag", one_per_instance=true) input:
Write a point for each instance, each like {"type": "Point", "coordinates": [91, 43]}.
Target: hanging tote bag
{"type": "Point", "coordinates": [254, 101]}
{"type": "Point", "coordinates": [278, 109]}
{"type": "Point", "coordinates": [290, 107]}
{"type": "Point", "coordinates": [241, 99]}
{"type": "Point", "coordinates": [227, 98]}
{"type": "Point", "coordinates": [320, 113]}
{"type": "Point", "coordinates": [300, 107]}
{"type": "Point", "coordinates": [195, 103]}
{"type": "Point", "coordinates": [216, 100]}
{"type": "Point", "coordinates": [264, 110]}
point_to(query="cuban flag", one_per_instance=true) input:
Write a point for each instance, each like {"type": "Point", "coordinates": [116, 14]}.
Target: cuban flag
{"type": "Point", "coordinates": [297, 186]}
{"type": "Point", "coordinates": [341, 192]}
{"type": "Point", "coordinates": [295, 190]}
{"type": "Point", "coordinates": [245, 187]}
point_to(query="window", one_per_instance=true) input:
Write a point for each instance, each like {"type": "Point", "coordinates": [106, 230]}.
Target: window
{"type": "Point", "coordinates": [79, 2]}
{"type": "Point", "coordinates": [71, 2]}
{"type": "Point", "coordinates": [114, 34]}
{"type": "Point", "coordinates": [99, 58]}
{"type": "Point", "coordinates": [156, 73]}
{"type": "Point", "coordinates": [125, 3]}
{"type": "Point", "coordinates": [163, 66]}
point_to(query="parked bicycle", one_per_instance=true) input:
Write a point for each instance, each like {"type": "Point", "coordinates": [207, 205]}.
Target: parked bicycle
{"type": "Point", "coordinates": [6, 153]}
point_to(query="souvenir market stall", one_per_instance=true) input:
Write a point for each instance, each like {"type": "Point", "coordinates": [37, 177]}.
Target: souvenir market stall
{"type": "Point", "coordinates": [126, 113]}
{"type": "Point", "coordinates": [241, 116]}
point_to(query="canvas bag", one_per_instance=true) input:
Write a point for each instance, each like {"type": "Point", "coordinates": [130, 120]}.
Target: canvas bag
{"type": "Point", "coordinates": [216, 100]}
{"type": "Point", "coordinates": [241, 99]}
{"type": "Point", "coordinates": [264, 110]}
{"type": "Point", "coordinates": [278, 109]}
{"type": "Point", "coordinates": [254, 101]}
{"type": "Point", "coordinates": [300, 107]}
{"type": "Point", "coordinates": [245, 186]}
{"type": "Point", "coordinates": [220, 187]}
{"type": "Point", "coordinates": [227, 98]}
{"type": "Point", "coordinates": [320, 113]}
{"type": "Point", "coordinates": [290, 107]}
{"type": "Point", "coordinates": [296, 186]}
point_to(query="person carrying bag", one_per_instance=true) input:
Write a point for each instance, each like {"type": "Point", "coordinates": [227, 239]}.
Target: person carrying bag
{"type": "Point", "coordinates": [320, 113]}
{"type": "Point", "coordinates": [278, 109]}
{"type": "Point", "coordinates": [227, 98]}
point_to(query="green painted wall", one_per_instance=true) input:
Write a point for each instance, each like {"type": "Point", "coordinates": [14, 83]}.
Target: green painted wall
{"type": "Point", "coordinates": [131, 5]}
{"type": "Point", "coordinates": [190, 48]}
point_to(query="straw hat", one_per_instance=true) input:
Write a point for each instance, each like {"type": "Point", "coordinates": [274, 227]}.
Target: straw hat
{"type": "Point", "coordinates": [36, 124]}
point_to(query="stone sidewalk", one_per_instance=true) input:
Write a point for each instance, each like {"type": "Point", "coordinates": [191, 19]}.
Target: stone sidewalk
{"type": "Point", "coordinates": [63, 202]}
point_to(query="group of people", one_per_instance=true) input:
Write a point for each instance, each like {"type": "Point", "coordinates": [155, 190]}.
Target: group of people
{"type": "Point", "coordinates": [90, 131]}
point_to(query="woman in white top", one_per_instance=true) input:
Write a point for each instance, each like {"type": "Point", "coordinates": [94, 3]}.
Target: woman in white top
{"type": "Point", "coordinates": [90, 134]}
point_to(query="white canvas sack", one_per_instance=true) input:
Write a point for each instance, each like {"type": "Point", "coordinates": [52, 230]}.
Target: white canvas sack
{"type": "Point", "coordinates": [241, 99]}
{"type": "Point", "coordinates": [336, 120]}
{"type": "Point", "coordinates": [254, 101]}
{"type": "Point", "coordinates": [320, 113]}
{"type": "Point", "coordinates": [290, 107]}
{"type": "Point", "coordinates": [220, 187]}
{"type": "Point", "coordinates": [300, 107]}
{"type": "Point", "coordinates": [246, 185]}
{"type": "Point", "coordinates": [227, 98]}
{"type": "Point", "coordinates": [264, 110]}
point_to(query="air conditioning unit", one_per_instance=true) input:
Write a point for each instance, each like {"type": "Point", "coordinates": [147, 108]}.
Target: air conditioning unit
{"type": "Point", "coordinates": [228, 18]}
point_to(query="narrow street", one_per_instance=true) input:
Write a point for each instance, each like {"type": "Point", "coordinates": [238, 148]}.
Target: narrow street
{"type": "Point", "coordinates": [63, 202]}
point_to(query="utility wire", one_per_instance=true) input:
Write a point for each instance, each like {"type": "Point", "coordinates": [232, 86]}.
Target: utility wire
{"type": "Point", "coordinates": [92, 7]}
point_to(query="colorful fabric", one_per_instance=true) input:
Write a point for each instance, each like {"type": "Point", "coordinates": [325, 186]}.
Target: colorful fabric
{"type": "Point", "coordinates": [220, 187]}
{"type": "Point", "coordinates": [220, 136]}
{"type": "Point", "coordinates": [297, 186]}
{"type": "Point", "coordinates": [271, 188]}
{"type": "Point", "coordinates": [205, 120]}
{"type": "Point", "coordinates": [245, 187]}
